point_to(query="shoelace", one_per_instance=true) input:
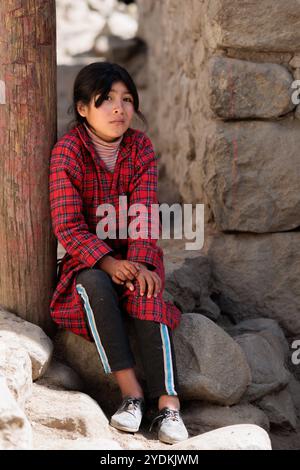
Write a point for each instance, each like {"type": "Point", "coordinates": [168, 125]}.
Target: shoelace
{"type": "Point", "coordinates": [167, 413]}
{"type": "Point", "coordinates": [130, 404]}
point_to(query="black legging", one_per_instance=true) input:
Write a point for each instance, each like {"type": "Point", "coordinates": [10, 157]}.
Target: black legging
{"type": "Point", "coordinates": [106, 324]}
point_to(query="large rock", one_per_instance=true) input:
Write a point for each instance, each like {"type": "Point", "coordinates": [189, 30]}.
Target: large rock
{"type": "Point", "coordinates": [61, 376]}
{"type": "Point", "coordinates": [237, 437]}
{"type": "Point", "coordinates": [211, 366]}
{"type": "Point", "coordinates": [15, 366]}
{"type": "Point", "coordinates": [30, 337]}
{"type": "Point", "coordinates": [205, 417]}
{"type": "Point", "coordinates": [265, 327]}
{"type": "Point", "coordinates": [76, 444]}
{"type": "Point", "coordinates": [15, 429]}
{"type": "Point", "coordinates": [280, 409]}
{"type": "Point", "coordinates": [190, 293]}
{"type": "Point", "coordinates": [258, 276]}
{"type": "Point", "coordinates": [204, 372]}
{"type": "Point", "coordinates": [294, 389]}
{"type": "Point", "coordinates": [249, 187]}
{"type": "Point", "coordinates": [69, 415]}
{"type": "Point", "coordinates": [82, 356]}
{"type": "Point", "coordinates": [267, 366]}
{"type": "Point", "coordinates": [271, 25]}
{"type": "Point", "coordinates": [242, 89]}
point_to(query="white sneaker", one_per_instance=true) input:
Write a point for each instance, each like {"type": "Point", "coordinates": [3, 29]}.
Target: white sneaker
{"type": "Point", "coordinates": [129, 416]}
{"type": "Point", "coordinates": [171, 428]}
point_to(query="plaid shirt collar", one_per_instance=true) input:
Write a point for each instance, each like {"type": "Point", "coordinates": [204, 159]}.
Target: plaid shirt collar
{"type": "Point", "coordinates": [125, 144]}
{"type": "Point", "coordinates": [125, 150]}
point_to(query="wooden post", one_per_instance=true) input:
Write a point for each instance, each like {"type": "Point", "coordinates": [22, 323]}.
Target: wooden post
{"type": "Point", "coordinates": [27, 133]}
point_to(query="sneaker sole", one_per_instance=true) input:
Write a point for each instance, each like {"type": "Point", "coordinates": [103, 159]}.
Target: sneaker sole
{"type": "Point", "coordinates": [123, 428]}
{"type": "Point", "coordinates": [168, 440]}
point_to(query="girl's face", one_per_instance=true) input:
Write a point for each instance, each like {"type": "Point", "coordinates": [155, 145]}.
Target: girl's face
{"type": "Point", "coordinates": [113, 117]}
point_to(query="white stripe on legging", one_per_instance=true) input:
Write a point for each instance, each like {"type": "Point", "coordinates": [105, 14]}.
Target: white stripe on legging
{"type": "Point", "coordinates": [90, 315]}
{"type": "Point", "coordinates": [168, 363]}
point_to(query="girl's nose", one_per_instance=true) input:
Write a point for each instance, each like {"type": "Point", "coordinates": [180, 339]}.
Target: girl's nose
{"type": "Point", "coordinates": [119, 107]}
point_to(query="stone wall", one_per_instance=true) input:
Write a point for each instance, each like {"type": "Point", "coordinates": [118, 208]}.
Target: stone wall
{"type": "Point", "coordinates": [218, 97]}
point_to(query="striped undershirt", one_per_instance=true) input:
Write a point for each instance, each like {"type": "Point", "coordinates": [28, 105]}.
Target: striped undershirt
{"type": "Point", "coordinates": [107, 151]}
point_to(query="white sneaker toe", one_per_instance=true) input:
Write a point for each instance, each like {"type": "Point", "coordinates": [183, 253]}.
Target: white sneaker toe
{"type": "Point", "coordinates": [129, 416]}
{"type": "Point", "coordinates": [171, 427]}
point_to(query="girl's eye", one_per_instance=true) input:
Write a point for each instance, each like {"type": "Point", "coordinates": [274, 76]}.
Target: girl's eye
{"type": "Point", "coordinates": [126, 99]}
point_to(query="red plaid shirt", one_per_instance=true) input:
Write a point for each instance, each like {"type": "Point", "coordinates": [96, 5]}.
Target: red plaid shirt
{"type": "Point", "coordinates": [79, 183]}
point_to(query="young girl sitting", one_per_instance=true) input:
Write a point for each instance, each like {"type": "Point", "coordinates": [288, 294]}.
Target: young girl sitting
{"type": "Point", "coordinates": [99, 160]}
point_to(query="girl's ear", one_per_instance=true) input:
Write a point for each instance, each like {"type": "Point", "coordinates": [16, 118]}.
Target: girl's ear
{"type": "Point", "coordinates": [81, 108]}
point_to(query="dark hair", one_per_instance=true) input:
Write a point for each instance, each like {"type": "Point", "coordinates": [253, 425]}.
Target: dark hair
{"type": "Point", "coordinates": [97, 79]}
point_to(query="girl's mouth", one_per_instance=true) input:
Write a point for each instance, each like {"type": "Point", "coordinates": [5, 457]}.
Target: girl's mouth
{"type": "Point", "coordinates": [117, 122]}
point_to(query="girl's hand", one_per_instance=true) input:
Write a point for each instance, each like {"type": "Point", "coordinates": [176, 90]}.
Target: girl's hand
{"type": "Point", "coordinates": [123, 272]}
{"type": "Point", "coordinates": [149, 281]}
{"type": "Point", "coordinates": [120, 271]}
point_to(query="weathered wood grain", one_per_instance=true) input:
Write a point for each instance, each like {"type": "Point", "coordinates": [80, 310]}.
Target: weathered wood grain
{"type": "Point", "coordinates": [27, 133]}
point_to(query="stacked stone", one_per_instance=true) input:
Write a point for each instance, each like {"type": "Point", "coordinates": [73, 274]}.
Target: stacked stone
{"type": "Point", "coordinates": [43, 407]}
{"type": "Point", "coordinates": [222, 102]}
{"type": "Point", "coordinates": [228, 132]}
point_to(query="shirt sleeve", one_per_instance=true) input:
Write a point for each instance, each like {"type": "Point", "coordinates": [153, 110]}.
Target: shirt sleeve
{"type": "Point", "coordinates": [66, 206]}
{"type": "Point", "coordinates": [143, 190]}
